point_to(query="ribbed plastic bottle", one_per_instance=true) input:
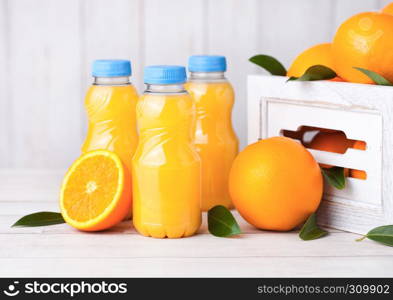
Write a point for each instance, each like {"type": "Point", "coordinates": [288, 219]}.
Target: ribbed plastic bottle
{"type": "Point", "coordinates": [110, 105]}
{"type": "Point", "coordinates": [166, 167]}
{"type": "Point", "coordinates": [214, 137]}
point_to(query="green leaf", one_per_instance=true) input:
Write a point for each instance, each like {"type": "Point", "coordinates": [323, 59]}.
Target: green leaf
{"type": "Point", "coordinates": [270, 64]}
{"type": "Point", "coordinates": [381, 234]}
{"type": "Point", "coordinates": [221, 222]}
{"type": "Point", "coordinates": [317, 72]}
{"type": "Point", "coordinates": [43, 218]}
{"type": "Point", "coordinates": [335, 177]}
{"type": "Point", "coordinates": [378, 79]}
{"type": "Point", "coordinates": [310, 229]}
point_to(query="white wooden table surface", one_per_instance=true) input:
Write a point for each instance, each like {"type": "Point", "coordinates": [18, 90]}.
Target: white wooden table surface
{"type": "Point", "coordinates": [62, 251]}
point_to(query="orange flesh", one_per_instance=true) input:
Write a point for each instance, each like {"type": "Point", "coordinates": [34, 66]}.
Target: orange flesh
{"type": "Point", "coordinates": [91, 188]}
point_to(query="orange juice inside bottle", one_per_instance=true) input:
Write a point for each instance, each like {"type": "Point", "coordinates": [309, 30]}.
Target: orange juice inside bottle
{"type": "Point", "coordinates": [214, 137]}
{"type": "Point", "coordinates": [110, 104]}
{"type": "Point", "coordinates": [166, 167]}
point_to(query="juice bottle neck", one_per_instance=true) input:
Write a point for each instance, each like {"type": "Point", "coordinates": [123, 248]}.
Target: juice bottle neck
{"type": "Point", "coordinates": [207, 76]}
{"type": "Point", "coordinates": [165, 88]}
{"type": "Point", "coordinates": [123, 80]}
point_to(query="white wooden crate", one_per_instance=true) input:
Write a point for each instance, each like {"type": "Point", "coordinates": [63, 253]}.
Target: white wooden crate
{"type": "Point", "coordinates": [362, 112]}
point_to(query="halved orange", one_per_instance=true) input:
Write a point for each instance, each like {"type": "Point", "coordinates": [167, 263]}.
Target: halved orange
{"type": "Point", "coordinates": [96, 191]}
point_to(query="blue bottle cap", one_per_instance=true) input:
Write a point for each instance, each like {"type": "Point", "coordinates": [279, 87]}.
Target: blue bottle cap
{"type": "Point", "coordinates": [165, 74]}
{"type": "Point", "coordinates": [207, 63]}
{"type": "Point", "coordinates": [111, 68]}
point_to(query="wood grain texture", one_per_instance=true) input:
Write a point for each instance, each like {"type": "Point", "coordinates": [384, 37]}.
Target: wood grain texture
{"type": "Point", "coordinates": [5, 121]}
{"type": "Point", "coordinates": [345, 213]}
{"type": "Point", "coordinates": [123, 245]}
{"type": "Point", "coordinates": [42, 120]}
{"type": "Point", "coordinates": [60, 250]}
{"type": "Point", "coordinates": [46, 48]}
{"type": "Point", "coordinates": [10, 212]}
{"type": "Point", "coordinates": [172, 31]}
{"type": "Point", "coordinates": [367, 266]}
{"type": "Point", "coordinates": [43, 87]}
{"type": "Point", "coordinates": [30, 185]}
{"type": "Point", "coordinates": [233, 32]}
{"type": "Point", "coordinates": [112, 32]}
{"type": "Point", "coordinates": [286, 28]}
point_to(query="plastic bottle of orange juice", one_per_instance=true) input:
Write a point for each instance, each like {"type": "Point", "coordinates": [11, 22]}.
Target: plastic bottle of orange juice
{"type": "Point", "coordinates": [110, 104]}
{"type": "Point", "coordinates": [214, 136]}
{"type": "Point", "coordinates": [166, 167]}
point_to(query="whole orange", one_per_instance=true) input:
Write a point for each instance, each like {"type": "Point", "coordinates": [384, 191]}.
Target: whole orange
{"type": "Point", "coordinates": [360, 145]}
{"type": "Point", "coordinates": [359, 174]}
{"type": "Point", "coordinates": [335, 141]}
{"type": "Point", "coordinates": [388, 9]}
{"type": "Point", "coordinates": [275, 184]}
{"type": "Point", "coordinates": [365, 40]}
{"type": "Point", "coordinates": [320, 54]}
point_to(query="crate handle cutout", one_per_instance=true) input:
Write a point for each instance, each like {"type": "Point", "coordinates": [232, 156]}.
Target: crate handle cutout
{"type": "Point", "coordinates": [278, 115]}
{"type": "Point", "coordinates": [328, 140]}
{"type": "Point", "coordinates": [357, 174]}
{"type": "Point", "coordinates": [362, 112]}
{"type": "Point", "coordinates": [315, 137]}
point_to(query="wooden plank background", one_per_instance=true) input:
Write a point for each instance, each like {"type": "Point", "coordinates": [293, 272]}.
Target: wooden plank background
{"type": "Point", "coordinates": [46, 48]}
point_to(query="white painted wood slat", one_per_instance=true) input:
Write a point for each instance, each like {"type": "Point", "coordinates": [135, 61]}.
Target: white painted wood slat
{"type": "Point", "coordinates": [10, 212]}
{"type": "Point", "coordinates": [286, 28]}
{"type": "Point", "coordinates": [5, 126]}
{"type": "Point", "coordinates": [126, 227]}
{"type": "Point", "coordinates": [172, 31]}
{"type": "Point", "coordinates": [46, 48]}
{"type": "Point", "coordinates": [120, 245]}
{"type": "Point", "coordinates": [112, 30]}
{"type": "Point", "coordinates": [121, 252]}
{"type": "Point", "coordinates": [366, 266]}
{"type": "Point", "coordinates": [232, 32]}
{"type": "Point", "coordinates": [47, 63]}
{"type": "Point", "coordinates": [44, 88]}
{"type": "Point", "coordinates": [38, 185]}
